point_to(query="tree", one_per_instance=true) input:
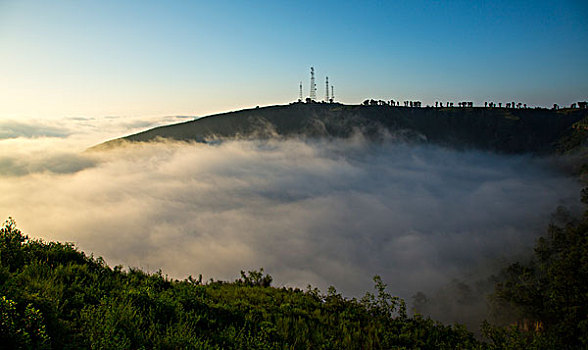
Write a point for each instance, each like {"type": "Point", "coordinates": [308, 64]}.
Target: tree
{"type": "Point", "coordinates": [551, 291]}
{"type": "Point", "coordinates": [255, 278]}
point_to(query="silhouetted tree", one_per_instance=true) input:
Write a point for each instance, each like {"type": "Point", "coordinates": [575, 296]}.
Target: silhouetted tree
{"type": "Point", "coordinates": [552, 289]}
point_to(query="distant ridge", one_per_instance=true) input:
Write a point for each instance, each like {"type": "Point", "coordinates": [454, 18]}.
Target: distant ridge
{"type": "Point", "coordinates": [504, 130]}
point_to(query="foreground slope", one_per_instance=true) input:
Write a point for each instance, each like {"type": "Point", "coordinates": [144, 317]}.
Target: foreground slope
{"type": "Point", "coordinates": [494, 129]}
{"type": "Point", "coordinates": [54, 296]}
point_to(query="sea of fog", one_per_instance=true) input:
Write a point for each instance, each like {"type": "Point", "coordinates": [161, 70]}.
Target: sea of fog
{"type": "Point", "coordinates": [330, 212]}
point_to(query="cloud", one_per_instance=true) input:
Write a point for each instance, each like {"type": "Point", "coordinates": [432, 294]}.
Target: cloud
{"type": "Point", "coordinates": [320, 212]}
{"type": "Point", "coordinates": [13, 129]}
{"type": "Point", "coordinates": [62, 163]}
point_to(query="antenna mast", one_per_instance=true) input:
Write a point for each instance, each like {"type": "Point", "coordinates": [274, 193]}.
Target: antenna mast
{"type": "Point", "coordinates": [332, 93]}
{"type": "Point", "coordinates": [300, 97]}
{"type": "Point", "coordinates": [312, 85]}
{"type": "Point", "coordinates": [327, 90]}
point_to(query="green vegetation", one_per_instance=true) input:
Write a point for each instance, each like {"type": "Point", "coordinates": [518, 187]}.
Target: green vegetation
{"type": "Point", "coordinates": [539, 303]}
{"type": "Point", "coordinates": [575, 144]}
{"type": "Point", "coordinates": [546, 298]}
{"type": "Point", "coordinates": [54, 296]}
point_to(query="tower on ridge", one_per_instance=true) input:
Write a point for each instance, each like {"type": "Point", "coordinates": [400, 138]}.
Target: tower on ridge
{"type": "Point", "coordinates": [332, 93]}
{"type": "Point", "coordinates": [327, 89]}
{"type": "Point", "coordinates": [300, 97]}
{"type": "Point", "coordinates": [312, 85]}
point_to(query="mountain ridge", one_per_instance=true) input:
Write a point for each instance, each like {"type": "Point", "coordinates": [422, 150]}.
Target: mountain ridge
{"type": "Point", "coordinates": [503, 130]}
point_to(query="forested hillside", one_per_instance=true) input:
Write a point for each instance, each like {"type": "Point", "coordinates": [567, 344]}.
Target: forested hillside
{"type": "Point", "coordinates": [504, 130]}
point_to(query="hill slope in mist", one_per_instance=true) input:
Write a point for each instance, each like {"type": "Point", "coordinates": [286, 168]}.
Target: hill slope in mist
{"type": "Point", "coordinates": [501, 130]}
{"type": "Point", "coordinates": [53, 296]}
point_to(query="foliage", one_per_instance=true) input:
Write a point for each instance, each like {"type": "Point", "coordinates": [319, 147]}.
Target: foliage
{"type": "Point", "coordinates": [21, 328]}
{"type": "Point", "coordinates": [54, 296]}
{"type": "Point", "coordinates": [549, 294]}
{"type": "Point", "coordinates": [255, 278]}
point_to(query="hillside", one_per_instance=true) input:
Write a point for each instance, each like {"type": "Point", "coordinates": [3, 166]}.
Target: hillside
{"type": "Point", "coordinates": [501, 130]}
{"type": "Point", "coordinates": [53, 296]}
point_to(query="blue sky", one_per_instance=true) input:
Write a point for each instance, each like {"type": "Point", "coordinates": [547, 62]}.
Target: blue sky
{"type": "Point", "coordinates": [135, 58]}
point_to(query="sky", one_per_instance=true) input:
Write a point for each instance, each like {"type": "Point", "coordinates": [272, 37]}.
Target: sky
{"type": "Point", "coordinates": [66, 59]}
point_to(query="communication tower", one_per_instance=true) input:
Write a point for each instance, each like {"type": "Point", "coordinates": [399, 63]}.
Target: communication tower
{"type": "Point", "coordinates": [332, 93]}
{"type": "Point", "coordinates": [327, 89]}
{"type": "Point", "coordinates": [312, 85]}
{"type": "Point", "coordinates": [300, 97]}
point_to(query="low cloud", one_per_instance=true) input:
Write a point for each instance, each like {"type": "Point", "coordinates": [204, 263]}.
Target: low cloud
{"type": "Point", "coordinates": [60, 163]}
{"type": "Point", "coordinates": [325, 213]}
{"type": "Point", "coordinates": [10, 129]}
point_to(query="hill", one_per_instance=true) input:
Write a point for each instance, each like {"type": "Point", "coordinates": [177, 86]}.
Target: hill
{"type": "Point", "coordinates": [53, 296]}
{"type": "Point", "coordinates": [503, 130]}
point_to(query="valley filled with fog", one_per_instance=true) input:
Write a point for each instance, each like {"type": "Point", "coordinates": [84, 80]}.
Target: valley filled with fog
{"type": "Point", "coordinates": [320, 212]}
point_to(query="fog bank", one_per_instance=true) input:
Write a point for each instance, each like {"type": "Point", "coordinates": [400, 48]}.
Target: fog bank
{"type": "Point", "coordinates": [321, 213]}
